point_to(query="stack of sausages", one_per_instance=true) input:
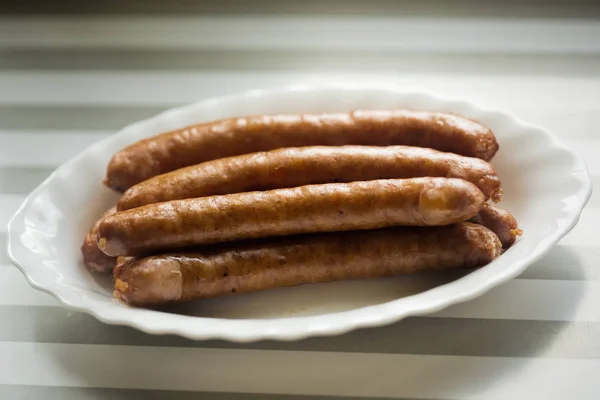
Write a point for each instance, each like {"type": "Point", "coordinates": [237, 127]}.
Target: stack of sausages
{"type": "Point", "coordinates": [247, 204]}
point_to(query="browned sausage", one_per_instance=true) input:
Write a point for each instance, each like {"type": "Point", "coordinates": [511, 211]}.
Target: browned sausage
{"type": "Point", "coordinates": [93, 257]}
{"type": "Point", "coordinates": [499, 221]}
{"type": "Point", "coordinates": [121, 262]}
{"type": "Point", "coordinates": [278, 262]}
{"type": "Point", "coordinates": [208, 141]}
{"type": "Point", "coordinates": [298, 166]}
{"type": "Point", "coordinates": [280, 212]}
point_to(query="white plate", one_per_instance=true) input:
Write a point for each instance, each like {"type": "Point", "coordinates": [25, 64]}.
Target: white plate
{"type": "Point", "coordinates": [546, 185]}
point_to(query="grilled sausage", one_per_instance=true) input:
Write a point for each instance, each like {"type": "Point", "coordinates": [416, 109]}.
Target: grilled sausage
{"type": "Point", "coordinates": [208, 141]}
{"type": "Point", "coordinates": [499, 221]}
{"type": "Point", "coordinates": [279, 262]}
{"type": "Point", "coordinates": [121, 262]}
{"type": "Point", "coordinates": [291, 167]}
{"type": "Point", "coordinates": [280, 212]}
{"type": "Point", "coordinates": [93, 257]}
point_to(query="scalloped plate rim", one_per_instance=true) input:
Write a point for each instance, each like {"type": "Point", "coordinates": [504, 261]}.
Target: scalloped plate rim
{"type": "Point", "coordinates": [263, 329]}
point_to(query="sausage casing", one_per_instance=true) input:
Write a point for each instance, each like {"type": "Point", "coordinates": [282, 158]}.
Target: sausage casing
{"type": "Point", "coordinates": [280, 212]}
{"type": "Point", "coordinates": [291, 167]}
{"type": "Point", "coordinates": [94, 258]}
{"type": "Point", "coordinates": [499, 221]}
{"type": "Point", "coordinates": [278, 262]}
{"type": "Point", "coordinates": [208, 141]}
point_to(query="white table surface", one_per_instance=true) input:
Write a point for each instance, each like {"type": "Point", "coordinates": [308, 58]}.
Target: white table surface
{"type": "Point", "coordinates": [68, 81]}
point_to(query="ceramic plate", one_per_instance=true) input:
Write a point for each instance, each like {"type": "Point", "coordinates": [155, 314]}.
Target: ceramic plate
{"type": "Point", "coordinates": [546, 185]}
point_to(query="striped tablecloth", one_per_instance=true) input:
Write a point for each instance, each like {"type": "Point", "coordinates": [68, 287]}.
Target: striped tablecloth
{"type": "Point", "coordinates": [71, 74]}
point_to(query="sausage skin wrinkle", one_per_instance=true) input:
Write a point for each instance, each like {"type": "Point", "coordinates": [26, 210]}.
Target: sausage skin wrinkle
{"type": "Point", "coordinates": [291, 167]}
{"type": "Point", "coordinates": [499, 221]}
{"type": "Point", "coordinates": [281, 212]}
{"type": "Point", "coordinates": [279, 262]}
{"type": "Point", "coordinates": [93, 257]}
{"type": "Point", "coordinates": [209, 141]}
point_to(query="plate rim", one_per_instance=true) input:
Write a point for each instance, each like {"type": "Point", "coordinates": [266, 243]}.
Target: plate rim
{"type": "Point", "coordinates": [269, 329]}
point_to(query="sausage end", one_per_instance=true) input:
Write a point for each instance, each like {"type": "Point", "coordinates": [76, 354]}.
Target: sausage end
{"type": "Point", "coordinates": [150, 281]}
{"type": "Point", "coordinates": [94, 258]}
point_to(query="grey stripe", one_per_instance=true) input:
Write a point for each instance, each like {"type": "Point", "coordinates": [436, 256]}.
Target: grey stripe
{"type": "Point", "coordinates": [489, 8]}
{"type": "Point", "coordinates": [22, 392]}
{"type": "Point", "coordinates": [86, 118]}
{"type": "Point", "coordinates": [304, 61]}
{"type": "Point", "coordinates": [433, 336]}
{"type": "Point", "coordinates": [22, 180]}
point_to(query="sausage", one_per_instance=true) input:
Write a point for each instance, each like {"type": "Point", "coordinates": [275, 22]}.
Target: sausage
{"type": "Point", "coordinates": [279, 262]}
{"type": "Point", "coordinates": [229, 137]}
{"type": "Point", "coordinates": [499, 221]}
{"type": "Point", "coordinates": [120, 264]}
{"type": "Point", "coordinates": [93, 257]}
{"type": "Point", "coordinates": [281, 212]}
{"type": "Point", "coordinates": [291, 167]}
